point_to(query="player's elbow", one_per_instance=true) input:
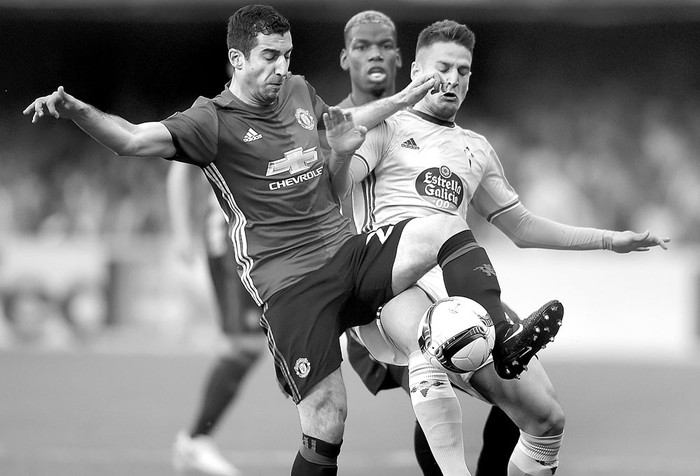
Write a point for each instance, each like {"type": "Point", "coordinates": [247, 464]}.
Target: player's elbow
{"type": "Point", "coordinates": [134, 145]}
{"type": "Point", "coordinates": [514, 238]}
{"type": "Point", "coordinates": [143, 144]}
{"type": "Point", "coordinates": [519, 243]}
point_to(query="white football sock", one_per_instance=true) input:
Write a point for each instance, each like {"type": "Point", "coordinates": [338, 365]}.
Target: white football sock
{"type": "Point", "coordinates": [535, 455]}
{"type": "Point", "coordinates": [439, 413]}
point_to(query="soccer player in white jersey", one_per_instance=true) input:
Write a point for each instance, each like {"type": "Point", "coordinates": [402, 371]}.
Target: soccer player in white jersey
{"type": "Point", "coordinates": [371, 57]}
{"type": "Point", "coordinates": [420, 163]}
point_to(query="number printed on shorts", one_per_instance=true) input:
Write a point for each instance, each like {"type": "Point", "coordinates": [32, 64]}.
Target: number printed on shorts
{"type": "Point", "coordinates": [382, 234]}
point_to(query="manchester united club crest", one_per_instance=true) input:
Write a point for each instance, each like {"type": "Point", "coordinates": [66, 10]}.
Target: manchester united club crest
{"type": "Point", "coordinates": [302, 367]}
{"type": "Point", "coordinates": [304, 118]}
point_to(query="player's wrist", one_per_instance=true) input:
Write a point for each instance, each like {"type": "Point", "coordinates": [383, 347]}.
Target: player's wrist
{"type": "Point", "coordinates": [343, 155]}
{"type": "Point", "coordinates": [404, 101]}
{"type": "Point", "coordinates": [80, 112]}
{"type": "Point", "coordinates": [608, 240]}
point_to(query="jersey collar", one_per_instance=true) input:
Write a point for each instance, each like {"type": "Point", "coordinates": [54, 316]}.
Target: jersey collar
{"type": "Point", "coordinates": [229, 100]}
{"type": "Point", "coordinates": [225, 97]}
{"type": "Point", "coordinates": [429, 118]}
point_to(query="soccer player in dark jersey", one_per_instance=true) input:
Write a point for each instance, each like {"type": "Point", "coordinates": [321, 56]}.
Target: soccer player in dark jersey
{"type": "Point", "coordinates": [193, 207]}
{"type": "Point", "coordinates": [259, 145]}
{"type": "Point", "coordinates": [371, 57]}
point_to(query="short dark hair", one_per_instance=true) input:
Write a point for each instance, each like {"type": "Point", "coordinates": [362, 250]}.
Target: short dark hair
{"type": "Point", "coordinates": [365, 17]}
{"type": "Point", "coordinates": [446, 31]}
{"type": "Point", "coordinates": [248, 21]}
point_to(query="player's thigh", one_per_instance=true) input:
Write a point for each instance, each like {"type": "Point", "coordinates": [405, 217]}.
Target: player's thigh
{"type": "Point", "coordinates": [323, 410]}
{"type": "Point", "coordinates": [418, 248]}
{"type": "Point", "coordinates": [401, 315]}
{"type": "Point", "coordinates": [531, 401]}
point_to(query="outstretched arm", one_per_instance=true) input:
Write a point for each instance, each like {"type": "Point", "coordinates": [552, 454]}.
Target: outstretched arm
{"type": "Point", "coordinates": [149, 139]}
{"type": "Point", "coordinates": [527, 230]}
{"type": "Point", "coordinates": [371, 114]}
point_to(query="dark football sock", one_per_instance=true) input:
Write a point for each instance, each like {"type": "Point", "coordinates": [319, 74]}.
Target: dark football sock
{"type": "Point", "coordinates": [467, 271]}
{"type": "Point", "coordinates": [316, 458]}
{"type": "Point", "coordinates": [221, 388]}
{"type": "Point", "coordinates": [500, 437]}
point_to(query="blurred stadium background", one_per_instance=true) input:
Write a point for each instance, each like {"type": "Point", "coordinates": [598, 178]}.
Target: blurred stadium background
{"type": "Point", "coordinates": [593, 107]}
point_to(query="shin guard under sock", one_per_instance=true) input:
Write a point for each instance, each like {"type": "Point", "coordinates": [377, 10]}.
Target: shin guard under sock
{"type": "Point", "coordinates": [424, 455]}
{"type": "Point", "coordinates": [440, 415]}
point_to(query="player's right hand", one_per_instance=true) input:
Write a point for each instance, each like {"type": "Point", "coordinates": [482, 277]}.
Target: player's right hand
{"type": "Point", "coordinates": [57, 104]}
{"type": "Point", "coordinates": [344, 136]}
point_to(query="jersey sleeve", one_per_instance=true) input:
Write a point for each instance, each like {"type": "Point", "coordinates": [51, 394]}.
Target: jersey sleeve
{"type": "Point", "coordinates": [494, 195]}
{"type": "Point", "coordinates": [531, 231]}
{"type": "Point", "coordinates": [319, 106]}
{"type": "Point", "coordinates": [372, 151]}
{"type": "Point", "coordinates": [195, 133]}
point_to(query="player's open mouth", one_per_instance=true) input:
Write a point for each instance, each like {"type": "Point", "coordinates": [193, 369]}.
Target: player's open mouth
{"type": "Point", "coordinates": [376, 74]}
{"type": "Point", "coordinates": [450, 96]}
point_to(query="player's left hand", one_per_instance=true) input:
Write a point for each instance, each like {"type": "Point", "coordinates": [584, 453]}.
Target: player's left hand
{"type": "Point", "coordinates": [626, 241]}
{"type": "Point", "coordinates": [344, 136]}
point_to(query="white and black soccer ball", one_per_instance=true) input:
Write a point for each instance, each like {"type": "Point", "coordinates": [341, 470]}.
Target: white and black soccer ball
{"type": "Point", "coordinates": [456, 334]}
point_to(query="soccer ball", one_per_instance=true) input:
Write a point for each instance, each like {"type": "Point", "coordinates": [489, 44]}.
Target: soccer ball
{"type": "Point", "coordinates": [456, 334]}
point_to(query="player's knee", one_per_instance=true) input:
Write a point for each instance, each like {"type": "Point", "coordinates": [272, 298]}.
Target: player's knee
{"type": "Point", "coordinates": [323, 413]}
{"type": "Point", "coordinates": [558, 421]}
{"type": "Point", "coordinates": [553, 423]}
{"type": "Point", "coordinates": [333, 413]}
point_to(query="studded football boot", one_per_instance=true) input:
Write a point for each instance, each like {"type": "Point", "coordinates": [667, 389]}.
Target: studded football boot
{"type": "Point", "coordinates": [525, 338]}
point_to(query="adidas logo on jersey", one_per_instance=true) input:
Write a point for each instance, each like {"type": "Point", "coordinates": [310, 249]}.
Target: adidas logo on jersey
{"type": "Point", "coordinates": [251, 135]}
{"type": "Point", "coordinates": [410, 144]}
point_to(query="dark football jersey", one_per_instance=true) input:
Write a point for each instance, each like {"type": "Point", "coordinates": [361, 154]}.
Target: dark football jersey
{"type": "Point", "coordinates": [269, 175]}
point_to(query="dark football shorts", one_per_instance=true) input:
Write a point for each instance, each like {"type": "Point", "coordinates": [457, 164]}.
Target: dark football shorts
{"type": "Point", "coordinates": [238, 313]}
{"type": "Point", "coordinates": [304, 321]}
{"type": "Point", "coordinates": [375, 375]}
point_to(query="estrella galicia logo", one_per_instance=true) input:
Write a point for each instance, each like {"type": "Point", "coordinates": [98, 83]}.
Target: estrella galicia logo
{"type": "Point", "coordinates": [302, 367]}
{"type": "Point", "coordinates": [440, 187]}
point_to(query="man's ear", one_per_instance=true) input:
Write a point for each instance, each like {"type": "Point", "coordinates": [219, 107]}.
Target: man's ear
{"type": "Point", "coordinates": [235, 57]}
{"type": "Point", "coordinates": [415, 70]}
{"type": "Point", "coordinates": [399, 58]}
{"type": "Point", "coordinates": [344, 60]}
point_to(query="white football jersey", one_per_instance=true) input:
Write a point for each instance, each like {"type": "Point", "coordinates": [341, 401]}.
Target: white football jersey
{"type": "Point", "coordinates": [418, 165]}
